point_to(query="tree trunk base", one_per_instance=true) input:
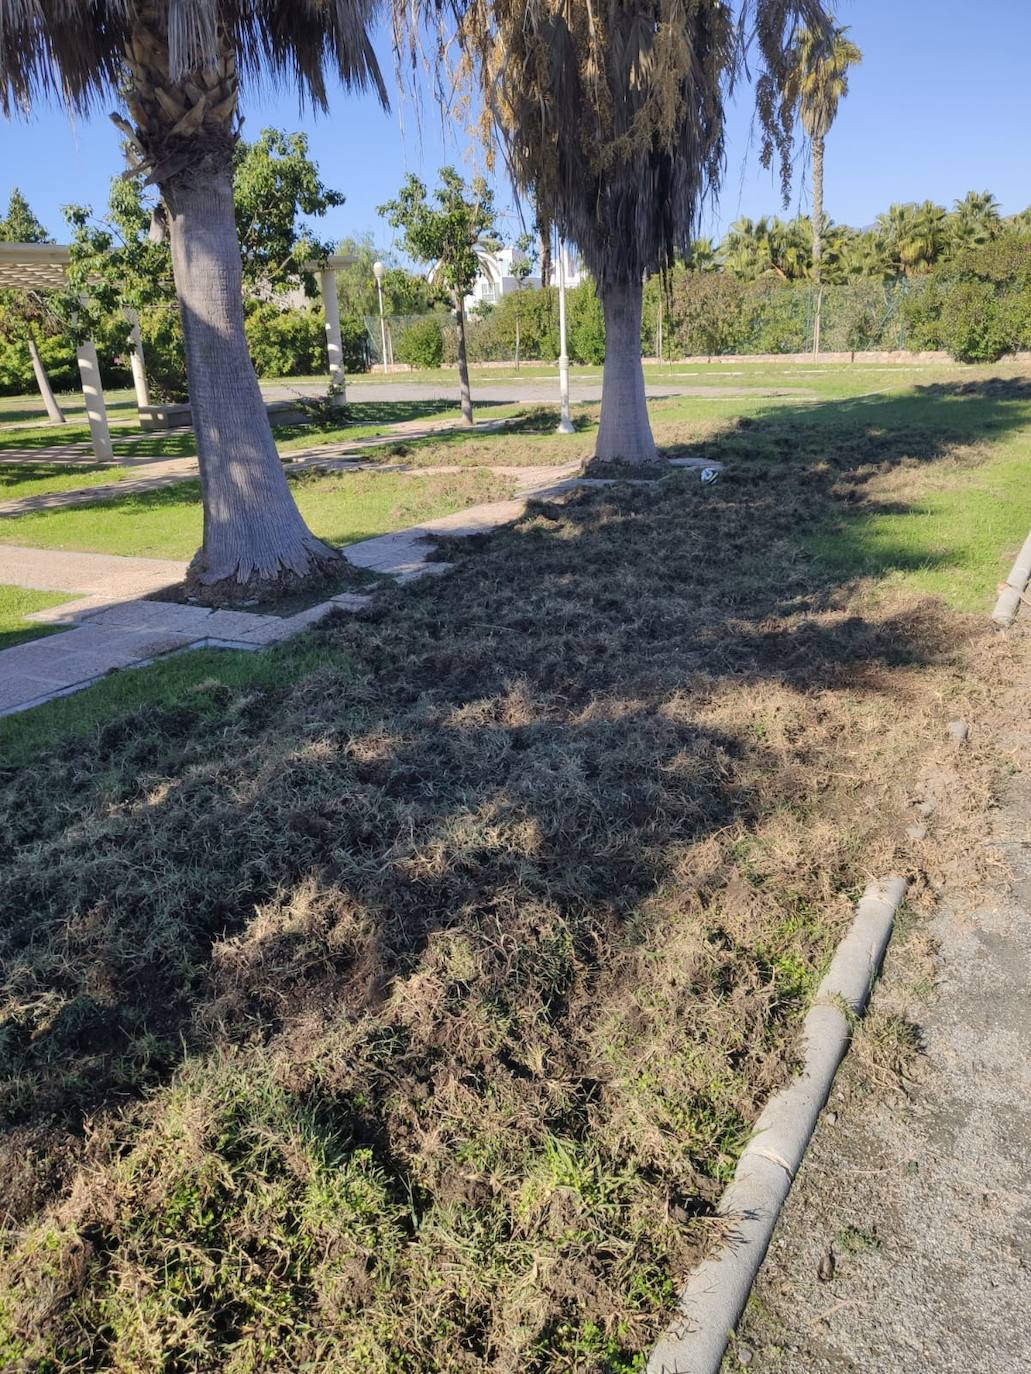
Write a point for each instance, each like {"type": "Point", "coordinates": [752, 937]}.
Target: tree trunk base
{"type": "Point", "coordinates": [619, 470]}
{"type": "Point", "coordinates": [324, 567]}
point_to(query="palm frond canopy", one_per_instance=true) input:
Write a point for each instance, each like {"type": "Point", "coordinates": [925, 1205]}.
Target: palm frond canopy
{"type": "Point", "coordinates": [611, 117]}
{"type": "Point", "coordinates": [76, 49]}
{"type": "Point", "coordinates": [818, 77]}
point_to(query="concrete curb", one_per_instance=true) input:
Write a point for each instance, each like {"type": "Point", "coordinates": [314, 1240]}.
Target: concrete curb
{"type": "Point", "coordinates": [715, 1294]}
{"type": "Point", "coordinates": [1013, 588]}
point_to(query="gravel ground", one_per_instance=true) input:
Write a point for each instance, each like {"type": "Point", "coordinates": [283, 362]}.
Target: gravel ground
{"type": "Point", "coordinates": [905, 1246]}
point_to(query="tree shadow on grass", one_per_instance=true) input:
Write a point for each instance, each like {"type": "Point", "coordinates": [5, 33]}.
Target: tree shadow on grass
{"type": "Point", "coordinates": [550, 850]}
{"type": "Point", "coordinates": [15, 475]}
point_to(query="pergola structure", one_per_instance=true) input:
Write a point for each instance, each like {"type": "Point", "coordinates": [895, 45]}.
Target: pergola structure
{"type": "Point", "coordinates": [43, 267]}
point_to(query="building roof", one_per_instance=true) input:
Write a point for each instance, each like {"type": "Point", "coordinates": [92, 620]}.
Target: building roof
{"type": "Point", "coordinates": [33, 266]}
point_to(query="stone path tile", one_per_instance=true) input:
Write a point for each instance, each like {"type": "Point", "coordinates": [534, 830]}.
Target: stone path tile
{"type": "Point", "coordinates": [102, 574]}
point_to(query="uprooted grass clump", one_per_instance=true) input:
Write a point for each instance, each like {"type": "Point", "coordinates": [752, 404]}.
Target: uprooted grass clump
{"type": "Point", "coordinates": [417, 1010]}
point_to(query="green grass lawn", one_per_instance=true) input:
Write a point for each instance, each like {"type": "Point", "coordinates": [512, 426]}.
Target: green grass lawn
{"type": "Point", "coordinates": [21, 480]}
{"type": "Point", "coordinates": [15, 604]}
{"type": "Point", "coordinates": [341, 508]}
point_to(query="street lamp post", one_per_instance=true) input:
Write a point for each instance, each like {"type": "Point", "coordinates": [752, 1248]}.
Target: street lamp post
{"type": "Point", "coordinates": [379, 271]}
{"type": "Point", "coordinates": [565, 424]}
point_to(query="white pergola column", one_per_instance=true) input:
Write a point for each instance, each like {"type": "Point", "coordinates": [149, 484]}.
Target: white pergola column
{"type": "Point", "coordinates": [334, 344]}
{"type": "Point", "coordinates": [96, 410]}
{"type": "Point", "coordinates": [137, 361]}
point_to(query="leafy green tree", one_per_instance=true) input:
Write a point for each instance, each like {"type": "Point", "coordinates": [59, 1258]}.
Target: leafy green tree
{"type": "Point", "coordinates": [24, 313]}
{"type": "Point", "coordinates": [176, 66]}
{"type": "Point", "coordinates": [404, 292]}
{"type": "Point", "coordinates": [522, 267]}
{"type": "Point", "coordinates": [977, 305]}
{"type": "Point", "coordinates": [447, 234]}
{"type": "Point", "coordinates": [123, 262]}
{"type": "Point", "coordinates": [422, 343]}
{"type": "Point", "coordinates": [612, 123]}
{"type": "Point", "coordinates": [275, 183]}
{"type": "Point", "coordinates": [817, 83]}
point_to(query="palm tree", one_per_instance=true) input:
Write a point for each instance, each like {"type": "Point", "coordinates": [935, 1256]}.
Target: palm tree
{"type": "Point", "coordinates": [612, 121]}
{"type": "Point", "coordinates": [817, 83]}
{"type": "Point", "coordinates": [913, 236]}
{"type": "Point", "coordinates": [177, 65]}
{"type": "Point", "coordinates": [745, 249]}
{"type": "Point", "coordinates": [975, 220]}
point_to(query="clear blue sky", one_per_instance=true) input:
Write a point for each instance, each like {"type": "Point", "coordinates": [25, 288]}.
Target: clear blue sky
{"type": "Point", "coordinates": [939, 107]}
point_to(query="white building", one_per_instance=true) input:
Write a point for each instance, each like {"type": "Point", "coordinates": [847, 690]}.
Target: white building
{"type": "Point", "coordinates": [498, 276]}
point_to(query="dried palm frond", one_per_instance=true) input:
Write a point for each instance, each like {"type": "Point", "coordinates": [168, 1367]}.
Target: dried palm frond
{"type": "Point", "coordinates": [82, 51]}
{"type": "Point", "coordinates": [612, 115]}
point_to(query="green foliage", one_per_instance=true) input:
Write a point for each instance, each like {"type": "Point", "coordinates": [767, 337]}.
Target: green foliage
{"type": "Point", "coordinates": [20, 225]}
{"type": "Point", "coordinates": [422, 343]}
{"type": "Point", "coordinates": [284, 343]}
{"type": "Point", "coordinates": [708, 313]}
{"type": "Point", "coordinates": [404, 292]}
{"type": "Point", "coordinates": [585, 325]}
{"type": "Point", "coordinates": [448, 234]}
{"type": "Point", "coordinates": [977, 305]}
{"type": "Point", "coordinates": [117, 266]}
{"type": "Point", "coordinates": [275, 182]}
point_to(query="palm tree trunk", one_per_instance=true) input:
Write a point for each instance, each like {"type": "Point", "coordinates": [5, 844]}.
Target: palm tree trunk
{"type": "Point", "coordinates": [546, 256]}
{"type": "Point", "coordinates": [625, 434]}
{"type": "Point", "coordinates": [463, 362]}
{"type": "Point", "coordinates": [43, 382]}
{"type": "Point", "coordinates": [817, 237]}
{"type": "Point", "coordinates": [254, 536]}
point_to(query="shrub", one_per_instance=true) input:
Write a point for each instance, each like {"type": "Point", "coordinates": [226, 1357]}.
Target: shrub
{"type": "Point", "coordinates": [708, 313]}
{"type": "Point", "coordinates": [422, 343]}
{"type": "Point", "coordinates": [976, 305]}
{"type": "Point", "coordinates": [585, 325]}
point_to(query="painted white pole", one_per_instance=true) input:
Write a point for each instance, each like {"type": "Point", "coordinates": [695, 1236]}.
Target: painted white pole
{"type": "Point", "coordinates": [378, 271]}
{"type": "Point", "coordinates": [137, 361]}
{"type": "Point", "coordinates": [565, 424]}
{"type": "Point", "coordinates": [96, 410]}
{"type": "Point", "coordinates": [334, 345]}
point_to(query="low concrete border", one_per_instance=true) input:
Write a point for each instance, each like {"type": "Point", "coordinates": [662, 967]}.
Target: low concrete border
{"type": "Point", "coordinates": [1013, 588]}
{"type": "Point", "coordinates": [715, 1294]}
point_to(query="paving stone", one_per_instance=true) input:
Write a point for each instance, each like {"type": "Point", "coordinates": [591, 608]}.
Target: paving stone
{"type": "Point", "coordinates": [139, 614]}
{"type": "Point", "coordinates": [272, 632]}
{"type": "Point", "coordinates": [19, 688]}
{"type": "Point", "coordinates": [232, 624]}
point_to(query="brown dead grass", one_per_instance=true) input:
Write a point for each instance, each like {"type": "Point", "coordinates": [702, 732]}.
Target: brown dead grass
{"type": "Point", "coordinates": [416, 1013]}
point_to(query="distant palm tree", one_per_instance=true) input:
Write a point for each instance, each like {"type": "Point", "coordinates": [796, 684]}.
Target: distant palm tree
{"type": "Point", "coordinates": [859, 253]}
{"type": "Point", "coordinates": [767, 247]}
{"type": "Point", "coordinates": [913, 236]}
{"type": "Point", "coordinates": [177, 65]}
{"type": "Point", "coordinates": [611, 118]}
{"type": "Point", "coordinates": [975, 219]}
{"type": "Point", "coordinates": [703, 256]}
{"type": "Point", "coordinates": [817, 83]}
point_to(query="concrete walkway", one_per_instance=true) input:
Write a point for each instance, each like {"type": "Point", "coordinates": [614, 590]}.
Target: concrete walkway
{"type": "Point", "coordinates": [113, 626]}
{"type": "Point", "coordinates": [155, 472]}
